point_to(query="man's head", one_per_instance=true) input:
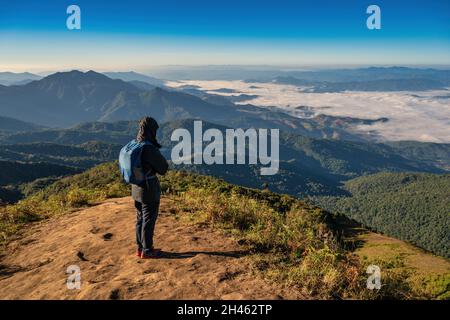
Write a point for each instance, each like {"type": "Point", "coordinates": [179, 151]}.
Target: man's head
{"type": "Point", "coordinates": [147, 129]}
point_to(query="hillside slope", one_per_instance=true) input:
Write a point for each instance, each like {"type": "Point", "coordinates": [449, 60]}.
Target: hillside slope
{"type": "Point", "coordinates": [275, 237]}
{"type": "Point", "coordinates": [197, 262]}
{"type": "Point", "coordinates": [10, 125]}
{"type": "Point", "coordinates": [410, 206]}
{"type": "Point", "coordinates": [84, 155]}
{"type": "Point", "coordinates": [18, 172]}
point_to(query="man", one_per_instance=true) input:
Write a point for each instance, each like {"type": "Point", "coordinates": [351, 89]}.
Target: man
{"type": "Point", "coordinates": [147, 195]}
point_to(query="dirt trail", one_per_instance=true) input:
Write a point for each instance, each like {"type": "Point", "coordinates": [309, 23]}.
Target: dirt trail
{"type": "Point", "coordinates": [197, 263]}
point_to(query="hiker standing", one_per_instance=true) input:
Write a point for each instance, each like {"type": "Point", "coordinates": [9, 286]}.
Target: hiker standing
{"type": "Point", "coordinates": [140, 161]}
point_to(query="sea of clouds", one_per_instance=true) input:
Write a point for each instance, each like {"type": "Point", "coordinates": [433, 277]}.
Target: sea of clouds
{"type": "Point", "coordinates": [420, 116]}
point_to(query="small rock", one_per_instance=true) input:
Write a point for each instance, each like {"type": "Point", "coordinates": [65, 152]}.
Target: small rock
{"type": "Point", "coordinates": [107, 236]}
{"type": "Point", "coordinates": [81, 256]}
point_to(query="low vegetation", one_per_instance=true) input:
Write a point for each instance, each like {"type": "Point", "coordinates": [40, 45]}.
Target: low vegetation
{"type": "Point", "coordinates": [291, 241]}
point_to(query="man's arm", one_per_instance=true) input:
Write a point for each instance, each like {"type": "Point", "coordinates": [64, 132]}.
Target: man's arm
{"type": "Point", "coordinates": [153, 157]}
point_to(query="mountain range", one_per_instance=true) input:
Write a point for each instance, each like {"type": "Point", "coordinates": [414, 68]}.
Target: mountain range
{"type": "Point", "coordinates": [384, 85]}
{"type": "Point", "coordinates": [383, 79]}
{"type": "Point", "coordinates": [67, 98]}
{"type": "Point", "coordinates": [266, 73]}
{"type": "Point", "coordinates": [11, 78]}
{"type": "Point", "coordinates": [11, 125]}
{"type": "Point", "coordinates": [372, 74]}
{"type": "Point", "coordinates": [308, 166]}
{"type": "Point", "coordinates": [131, 76]}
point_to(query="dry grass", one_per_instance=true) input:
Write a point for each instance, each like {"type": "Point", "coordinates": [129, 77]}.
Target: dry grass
{"type": "Point", "coordinates": [295, 247]}
{"type": "Point", "coordinates": [428, 275]}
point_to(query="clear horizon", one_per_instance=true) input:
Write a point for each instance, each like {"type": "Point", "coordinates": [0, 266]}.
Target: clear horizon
{"type": "Point", "coordinates": [141, 35]}
{"type": "Point", "coordinates": [149, 70]}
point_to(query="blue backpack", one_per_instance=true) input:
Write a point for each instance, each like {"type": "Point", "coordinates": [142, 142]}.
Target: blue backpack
{"type": "Point", "coordinates": [130, 162]}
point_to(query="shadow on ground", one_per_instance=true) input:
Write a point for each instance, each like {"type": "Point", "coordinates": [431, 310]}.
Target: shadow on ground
{"type": "Point", "coordinates": [191, 254]}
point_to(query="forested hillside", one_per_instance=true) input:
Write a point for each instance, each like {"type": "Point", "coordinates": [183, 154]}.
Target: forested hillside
{"type": "Point", "coordinates": [17, 172]}
{"type": "Point", "coordinates": [410, 206]}
{"type": "Point", "coordinates": [10, 125]}
{"type": "Point", "coordinates": [84, 155]}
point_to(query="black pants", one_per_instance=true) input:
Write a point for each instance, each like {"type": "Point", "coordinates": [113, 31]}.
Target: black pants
{"type": "Point", "coordinates": [146, 214]}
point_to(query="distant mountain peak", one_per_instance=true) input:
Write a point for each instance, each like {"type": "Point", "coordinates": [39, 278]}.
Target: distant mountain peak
{"type": "Point", "coordinates": [76, 78]}
{"type": "Point", "coordinates": [135, 76]}
{"type": "Point", "coordinates": [76, 74]}
{"type": "Point", "coordinates": [12, 78]}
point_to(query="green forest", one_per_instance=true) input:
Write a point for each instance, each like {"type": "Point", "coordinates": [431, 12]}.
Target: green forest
{"type": "Point", "coordinates": [410, 206]}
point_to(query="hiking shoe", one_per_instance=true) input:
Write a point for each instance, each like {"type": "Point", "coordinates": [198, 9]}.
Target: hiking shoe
{"type": "Point", "coordinates": [139, 252]}
{"type": "Point", "coordinates": [155, 253]}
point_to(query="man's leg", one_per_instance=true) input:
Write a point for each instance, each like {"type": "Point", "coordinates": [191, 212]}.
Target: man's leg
{"type": "Point", "coordinates": [139, 222]}
{"type": "Point", "coordinates": [149, 215]}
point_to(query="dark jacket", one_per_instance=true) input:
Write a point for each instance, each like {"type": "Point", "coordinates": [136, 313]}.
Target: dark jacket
{"type": "Point", "coordinates": [153, 162]}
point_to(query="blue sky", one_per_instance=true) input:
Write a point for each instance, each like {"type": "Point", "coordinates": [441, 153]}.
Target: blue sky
{"type": "Point", "coordinates": [131, 34]}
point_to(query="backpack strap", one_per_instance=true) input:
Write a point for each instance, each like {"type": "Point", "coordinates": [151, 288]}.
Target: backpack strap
{"type": "Point", "coordinates": [147, 176]}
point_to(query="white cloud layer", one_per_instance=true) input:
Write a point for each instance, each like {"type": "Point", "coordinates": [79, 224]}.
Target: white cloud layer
{"type": "Point", "coordinates": [421, 116]}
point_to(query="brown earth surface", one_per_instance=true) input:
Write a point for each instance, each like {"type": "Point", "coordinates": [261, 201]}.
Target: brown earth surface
{"type": "Point", "coordinates": [198, 262]}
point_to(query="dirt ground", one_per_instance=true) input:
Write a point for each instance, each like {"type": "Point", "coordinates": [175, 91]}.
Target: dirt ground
{"type": "Point", "coordinates": [197, 262]}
